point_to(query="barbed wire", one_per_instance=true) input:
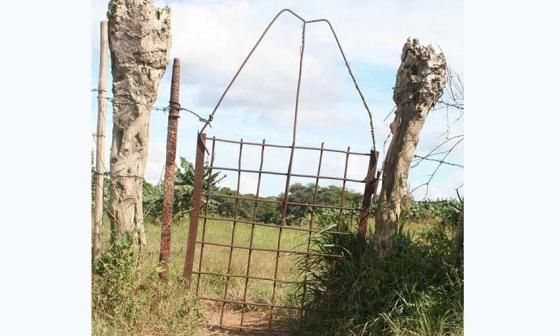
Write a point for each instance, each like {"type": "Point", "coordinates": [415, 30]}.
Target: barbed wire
{"type": "Point", "coordinates": [125, 101]}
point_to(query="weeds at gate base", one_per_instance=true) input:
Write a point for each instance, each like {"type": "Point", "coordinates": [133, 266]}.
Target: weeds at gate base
{"type": "Point", "coordinates": [416, 290]}
{"type": "Point", "coordinates": [128, 302]}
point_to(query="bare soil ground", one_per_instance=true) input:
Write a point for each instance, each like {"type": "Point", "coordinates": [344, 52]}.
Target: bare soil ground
{"type": "Point", "coordinates": [252, 320]}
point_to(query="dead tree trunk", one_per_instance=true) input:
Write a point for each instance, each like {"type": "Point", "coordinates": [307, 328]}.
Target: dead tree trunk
{"type": "Point", "coordinates": [139, 40]}
{"type": "Point", "coordinates": [420, 82]}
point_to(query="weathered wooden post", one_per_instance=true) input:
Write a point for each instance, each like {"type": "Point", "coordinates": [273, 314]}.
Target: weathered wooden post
{"type": "Point", "coordinates": [100, 139]}
{"type": "Point", "coordinates": [139, 39]}
{"type": "Point", "coordinates": [169, 178]}
{"type": "Point", "coordinates": [420, 81]}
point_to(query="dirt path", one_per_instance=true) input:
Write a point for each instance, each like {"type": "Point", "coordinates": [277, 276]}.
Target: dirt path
{"type": "Point", "coordinates": [231, 319]}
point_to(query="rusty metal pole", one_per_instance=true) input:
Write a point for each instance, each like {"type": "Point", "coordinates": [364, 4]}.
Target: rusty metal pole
{"type": "Point", "coordinates": [195, 207]}
{"type": "Point", "coordinates": [169, 178]}
{"type": "Point", "coordinates": [369, 190]}
{"type": "Point", "coordinates": [100, 140]}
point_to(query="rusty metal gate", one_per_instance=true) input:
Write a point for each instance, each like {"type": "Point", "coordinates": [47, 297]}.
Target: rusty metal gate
{"type": "Point", "coordinates": [236, 251]}
{"type": "Point", "coordinates": [200, 239]}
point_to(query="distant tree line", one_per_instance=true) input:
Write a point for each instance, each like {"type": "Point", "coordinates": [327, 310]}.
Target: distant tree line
{"type": "Point", "coordinates": [269, 209]}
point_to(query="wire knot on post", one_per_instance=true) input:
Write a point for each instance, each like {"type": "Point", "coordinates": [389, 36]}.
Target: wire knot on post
{"type": "Point", "coordinates": [174, 108]}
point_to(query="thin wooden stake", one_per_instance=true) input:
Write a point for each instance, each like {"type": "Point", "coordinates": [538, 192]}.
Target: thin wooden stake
{"type": "Point", "coordinates": [100, 140]}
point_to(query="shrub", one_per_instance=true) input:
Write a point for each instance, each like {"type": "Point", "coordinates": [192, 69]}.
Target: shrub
{"type": "Point", "coordinates": [127, 303]}
{"type": "Point", "coordinates": [416, 290]}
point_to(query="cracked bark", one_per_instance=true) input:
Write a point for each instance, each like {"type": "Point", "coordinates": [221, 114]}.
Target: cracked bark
{"type": "Point", "coordinates": [139, 40]}
{"type": "Point", "coordinates": [419, 84]}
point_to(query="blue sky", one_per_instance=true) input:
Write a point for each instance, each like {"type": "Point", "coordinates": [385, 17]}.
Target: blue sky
{"type": "Point", "coordinates": [212, 38]}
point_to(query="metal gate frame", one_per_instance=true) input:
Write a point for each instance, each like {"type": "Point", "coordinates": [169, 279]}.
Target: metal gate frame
{"type": "Point", "coordinates": [370, 183]}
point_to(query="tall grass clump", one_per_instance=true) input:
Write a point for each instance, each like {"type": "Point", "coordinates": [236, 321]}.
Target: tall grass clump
{"type": "Point", "coordinates": [416, 290]}
{"type": "Point", "coordinates": [128, 300]}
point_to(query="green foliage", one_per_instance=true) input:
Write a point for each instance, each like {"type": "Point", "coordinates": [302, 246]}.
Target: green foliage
{"type": "Point", "coordinates": [416, 290]}
{"type": "Point", "coordinates": [128, 300]}
{"type": "Point", "coordinates": [446, 211]}
{"type": "Point", "coordinates": [152, 201]}
{"type": "Point", "coordinates": [184, 183]}
{"type": "Point", "coordinates": [114, 274]}
{"type": "Point", "coordinates": [271, 212]}
{"type": "Point", "coordinates": [266, 212]}
{"type": "Point", "coordinates": [329, 195]}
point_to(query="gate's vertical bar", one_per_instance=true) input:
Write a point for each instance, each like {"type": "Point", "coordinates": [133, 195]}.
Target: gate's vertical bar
{"type": "Point", "coordinates": [205, 214]}
{"type": "Point", "coordinates": [100, 140]}
{"type": "Point", "coordinates": [333, 262]}
{"type": "Point", "coordinates": [236, 205]}
{"type": "Point", "coordinates": [343, 189]}
{"type": "Point", "coordinates": [195, 205]}
{"type": "Point", "coordinates": [282, 222]}
{"type": "Point", "coordinates": [314, 201]}
{"type": "Point", "coordinates": [169, 178]}
{"type": "Point", "coordinates": [368, 192]}
{"type": "Point", "coordinates": [252, 232]}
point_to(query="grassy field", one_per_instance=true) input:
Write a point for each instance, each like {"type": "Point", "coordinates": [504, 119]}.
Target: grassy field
{"type": "Point", "coordinates": [215, 259]}
{"type": "Point", "coordinates": [166, 304]}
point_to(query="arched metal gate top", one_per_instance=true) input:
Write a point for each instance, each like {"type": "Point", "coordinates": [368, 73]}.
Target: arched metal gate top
{"type": "Point", "coordinates": [305, 22]}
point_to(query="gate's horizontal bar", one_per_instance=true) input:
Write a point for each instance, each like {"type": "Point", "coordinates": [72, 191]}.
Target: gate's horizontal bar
{"type": "Point", "coordinates": [295, 147]}
{"type": "Point", "coordinates": [252, 277]}
{"type": "Point", "coordinates": [237, 327]}
{"type": "Point", "coordinates": [287, 227]}
{"type": "Point", "coordinates": [248, 303]}
{"type": "Point", "coordinates": [264, 200]}
{"type": "Point", "coordinates": [284, 174]}
{"type": "Point", "coordinates": [270, 250]}
{"type": "Point", "coordinates": [265, 331]}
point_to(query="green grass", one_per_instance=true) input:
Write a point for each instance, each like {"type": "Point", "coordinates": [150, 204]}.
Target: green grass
{"type": "Point", "coordinates": [215, 258]}
{"type": "Point", "coordinates": [417, 290]}
{"type": "Point", "coordinates": [163, 304]}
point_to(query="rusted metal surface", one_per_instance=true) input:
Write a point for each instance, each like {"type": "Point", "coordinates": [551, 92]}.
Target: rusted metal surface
{"type": "Point", "coordinates": [249, 277]}
{"type": "Point", "coordinates": [282, 222]}
{"type": "Point", "coordinates": [252, 232]}
{"type": "Point", "coordinates": [206, 212]}
{"type": "Point", "coordinates": [234, 226]}
{"type": "Point", "coordinates": [169, 177]}
{"type": "Point", "coordinates": [344, 179]}
{"type": "Point", "coordinates": [322, 149]}
{"type": "Point", "coordinates": [262, 249]}
{"type": "Point", "coordinates": [334, 178]}
{"type": "Point", "coordinates": [285, 227]}
{"type": "Point", "coordinates": [368, 193]}
{"type": "Point", "coordinates": [312, 217]}
{"type": "Point", "coordinates": [195, 205]}
{"type": "Point", "coordinates": [264, 200]}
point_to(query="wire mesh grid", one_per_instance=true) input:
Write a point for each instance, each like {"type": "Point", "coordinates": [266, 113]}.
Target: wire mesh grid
{"type": "Point", "coordinates": [242, 243]}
